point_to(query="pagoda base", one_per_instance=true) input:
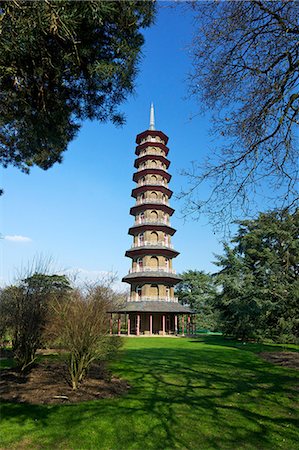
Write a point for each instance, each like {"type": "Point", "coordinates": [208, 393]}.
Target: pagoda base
{"type": "Point", "coordinates": [151, 318]}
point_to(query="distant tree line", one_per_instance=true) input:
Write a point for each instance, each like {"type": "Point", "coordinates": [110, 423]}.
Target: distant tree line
{"type": "Point", "coordinates": [255, 294]}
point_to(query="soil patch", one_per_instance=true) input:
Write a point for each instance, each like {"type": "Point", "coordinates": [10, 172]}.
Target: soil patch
{"type": "Point", "coordinates": [47, 384]}
{"type": "Point", "coordinates": [286, 359]}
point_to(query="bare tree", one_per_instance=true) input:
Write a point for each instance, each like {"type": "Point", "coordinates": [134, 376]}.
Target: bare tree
{"type": "Point", "coordinates": [246, 70]}
{"type": "Point", "coordinates": [80, 324]}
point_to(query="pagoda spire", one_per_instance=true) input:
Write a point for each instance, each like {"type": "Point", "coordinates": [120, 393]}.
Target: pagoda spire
{"type": "Point", "coordinates": [152, 117]}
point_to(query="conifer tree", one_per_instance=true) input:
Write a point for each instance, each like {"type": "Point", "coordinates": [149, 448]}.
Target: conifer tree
{"type": "Point", "coordinates": [260, 279]}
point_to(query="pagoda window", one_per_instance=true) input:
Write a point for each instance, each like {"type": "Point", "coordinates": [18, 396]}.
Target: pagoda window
{"type": "Point", "coordinates": [167, 263]}
{"type": "Point", "coordinates": [154, 290]}
{"type": "Point", "coordinates": [139, 264]}
{"type": "Point", "coordinates": [154, 262]}
{"type": "Point", "coordinates": [141, 217]}
{"type": "Point", "coordinates": [154, 195]}
{"type": "Point", "coordinates": [154, 163]}
{"type": "Point", "coordinates": [153, 179]}
{"type": "Point", "coordinates": [167, 292]}
{"type": "Point", "coordinates": [141, 238]}
{"type": "Point", "coordinates": [154, 236]}
{"type": "Point", "coordinates": [154, 216]}
{"type": "Point", "coordinates": [138, 292]}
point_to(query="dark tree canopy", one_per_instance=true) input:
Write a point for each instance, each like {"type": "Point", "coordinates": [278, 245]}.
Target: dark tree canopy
{"type": "Point", "coordinates": [260, 279]}
{"type": "Point", "coordinates": [246, 70]}
{"type": "Point", "coordinates": [24, 312]}
{"type": "Point", "coordinates": [62, 62]}
{"type": "Point", "coordinates": [198, 290]}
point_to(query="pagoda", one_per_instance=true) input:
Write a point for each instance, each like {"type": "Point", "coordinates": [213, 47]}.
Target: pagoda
{"type": "Point", "coordinates": [152, 307]}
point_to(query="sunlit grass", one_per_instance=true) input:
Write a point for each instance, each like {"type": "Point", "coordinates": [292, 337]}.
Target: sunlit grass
{"type": "Point", "coordinates": [205, 393]}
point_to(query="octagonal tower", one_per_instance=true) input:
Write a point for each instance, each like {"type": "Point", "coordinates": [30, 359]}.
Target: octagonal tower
{"type": "Point", "coordinates": [152, 276]}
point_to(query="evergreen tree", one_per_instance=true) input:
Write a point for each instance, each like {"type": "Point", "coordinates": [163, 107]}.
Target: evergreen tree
{"type": "Point", "coordinates": [62, 62]}
{"type": "Point", "coordinates": [259, 277]}
{"type": "Point", "coordinates": [198, 290]}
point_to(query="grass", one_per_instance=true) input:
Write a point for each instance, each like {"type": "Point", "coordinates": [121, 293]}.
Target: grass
{"type": "Point", "coordinates": [205, 393]}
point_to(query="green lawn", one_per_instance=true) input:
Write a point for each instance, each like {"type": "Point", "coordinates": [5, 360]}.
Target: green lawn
{"type": "Point", "coordinates": [207, 393]}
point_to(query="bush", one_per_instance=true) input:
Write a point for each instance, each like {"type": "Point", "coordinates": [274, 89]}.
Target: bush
{"type": "Point", "coordinates": [80, 324]}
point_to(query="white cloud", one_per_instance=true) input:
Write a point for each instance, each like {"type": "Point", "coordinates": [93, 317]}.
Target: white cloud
{"type": "Point", "coordinates": [17, 238]}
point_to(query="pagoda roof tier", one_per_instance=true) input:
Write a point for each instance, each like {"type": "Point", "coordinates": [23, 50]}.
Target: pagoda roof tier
{"type": "Point", "coordinates": [152, 133]}
{"type": "Point", "coordinates": [151, 205]}
{"type": "Point", "coordinates": [144, 158]}
{"type": "Point", "coordinates": [151, 144]}
{"type": "Point", "coordinates": [152, 226]}
{"type": "Point", "coordinates": [153, 171]}
{"type": "Point", "coordinates": [152, 277]}
{"type": "Point", "coordinates": [151, 187]}
{"type": "Point", "coordinates": [152, 250]}
{"type": "Point", "coordinates": [148, 306]}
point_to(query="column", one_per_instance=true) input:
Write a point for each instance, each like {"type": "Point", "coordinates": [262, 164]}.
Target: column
{"type": "Point", "coordinates": [163, 324]}
{"type": "Point", "coordinates": [129, 325]}
{"type": "Point", "coordinates": [118, 325]}
{"type": "Point", "coordinates": [151, 324]}
{"type": "Point", "coordinates": [175, 324]}
{"type": "Point", "coordinates": [138, 325]}
{"type": "Point", "coordinates": [183, 325]}
{"type": "Point", "coordinates": [188, 327]}
{"type": "Point", "coordinates": [111, 324]}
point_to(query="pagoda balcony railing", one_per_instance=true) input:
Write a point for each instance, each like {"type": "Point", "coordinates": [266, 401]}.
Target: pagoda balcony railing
{"type": "Point", "coordinates": [152, 222]}
{"type": "Point", "coordinates": [151, 269]}
{"type": "Point", "coordinates": [153, 183]}
{"type": "Point", "coordinates": [154, 244]}
{"type": "Point", "coordinates": [160, 167]}
{"type": "Point", "coordinates": [150, 139]}
{"type": "Point", "coordinates": [153, 299]}
{"type": "Point", "coordinates": [152, 153]}
{"type": "Point", "coordinates": [152, 200]}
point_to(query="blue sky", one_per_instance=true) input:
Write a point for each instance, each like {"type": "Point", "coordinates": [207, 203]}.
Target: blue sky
{"type": "Point", "coordinates": [78, 211]}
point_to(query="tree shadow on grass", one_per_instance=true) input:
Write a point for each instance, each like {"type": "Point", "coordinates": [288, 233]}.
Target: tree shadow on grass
{"type": "Point", "coordinates": [255, 347]}
{"type": "Point", "coordinates": [181, 398]}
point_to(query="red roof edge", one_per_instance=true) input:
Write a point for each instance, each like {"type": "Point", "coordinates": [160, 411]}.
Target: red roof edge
{"type": "Point", "coordinates": [151, 133]}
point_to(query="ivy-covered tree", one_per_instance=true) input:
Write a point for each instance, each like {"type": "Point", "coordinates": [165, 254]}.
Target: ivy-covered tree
{"type": "Point", "coordinates": [24, 310]}
{"type": "Point", "coordinates": [198, 290]}
{"type": "Point", "coordinates": [62, 62]}
{"type": "Point", "coordinates": [260, 279]}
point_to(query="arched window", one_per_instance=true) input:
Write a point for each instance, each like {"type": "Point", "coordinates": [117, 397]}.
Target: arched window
{"type": "Point", "coordinates": [167, 263]}
{"type": "Point", "coordinates": [139, 264]}
{"type": "Point", "coordinates": [154, 216]}
{"type": "Point", "coordinates": [154, 262]}
{"type": "Point", "coordinates": [138, 292]}
{"type": "Point", "coordinates": [154, 290]}
{"type": "Point", "coordinates": [141, 217]}
{"type": "Point", "coordinates": [153, 163]}
{"type": "Point", "coordinates": [153, 179]}
{"type": "Point", "coordinates": [154, 237]}
{"type": "Point", "coordinates": [154, 196]}
{"type": "Point", "coordinates": [141, 238]}
{"type": "Point", "coordinates": [166, 239]}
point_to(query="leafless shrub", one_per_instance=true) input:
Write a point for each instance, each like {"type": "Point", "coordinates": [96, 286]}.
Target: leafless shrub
{"type": "Point", "coordinates": [80, 324]}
